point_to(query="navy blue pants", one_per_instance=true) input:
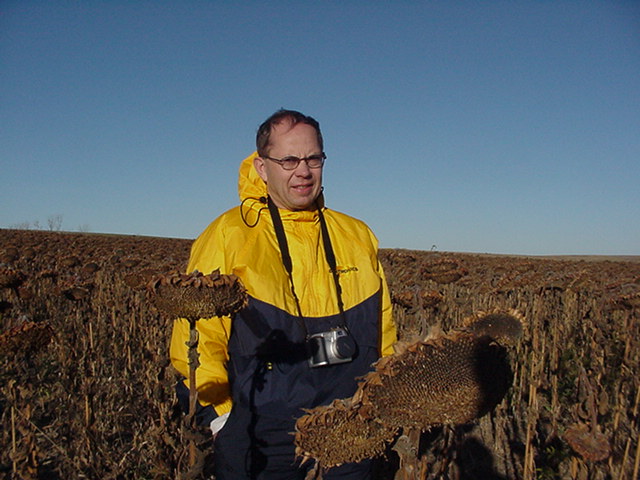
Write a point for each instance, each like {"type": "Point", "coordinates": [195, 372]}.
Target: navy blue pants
{"type": "Point", "coordinates": [251, 447]}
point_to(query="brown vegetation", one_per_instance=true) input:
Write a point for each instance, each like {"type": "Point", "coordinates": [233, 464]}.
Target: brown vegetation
{"type": "Point", "coordinates": [86, 388]}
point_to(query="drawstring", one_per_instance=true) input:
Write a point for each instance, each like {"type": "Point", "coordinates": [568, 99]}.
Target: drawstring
{"type": "Point", "coordinates": [262, 200]}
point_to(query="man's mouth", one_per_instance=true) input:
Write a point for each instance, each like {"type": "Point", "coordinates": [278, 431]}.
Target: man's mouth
{"type": "Point", "coordinates": [302, 188]}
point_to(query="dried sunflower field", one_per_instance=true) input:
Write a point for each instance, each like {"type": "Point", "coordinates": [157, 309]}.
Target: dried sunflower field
{"type": "Point", "coordinates": [86, 388]}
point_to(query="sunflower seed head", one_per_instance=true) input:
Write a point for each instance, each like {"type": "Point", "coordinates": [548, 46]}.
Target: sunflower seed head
{"type": "Point", "coordinates": [196, 295]}
{"type": "Point", "coordinates": [505, 327]}
{"type": "Point", "coordinates": [26, 337]}
{"type": "Point", "coordinates": [335, 434]}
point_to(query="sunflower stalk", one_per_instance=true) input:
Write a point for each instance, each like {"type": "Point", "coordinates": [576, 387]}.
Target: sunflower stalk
{"type": "Point", "coordinates": [196, 296]}
{"type": "Point", "coordinates": [194, 363]}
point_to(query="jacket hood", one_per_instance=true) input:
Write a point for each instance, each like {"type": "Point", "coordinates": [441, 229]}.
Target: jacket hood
{"type": "Point", "coordinates": [250, 185]}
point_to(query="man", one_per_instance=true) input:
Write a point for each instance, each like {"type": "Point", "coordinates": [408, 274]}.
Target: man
{"type": "Point", "coordinates": [318, 314]}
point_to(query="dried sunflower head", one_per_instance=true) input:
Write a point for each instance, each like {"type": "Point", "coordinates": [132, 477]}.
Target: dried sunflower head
{"type": "Point", "coordinates": [431, 298]}
{"type": "Point", "coordinates": [448, 379]}
{"type": "Point", "coordinates": [443, 271]}
{"type": "Point", "coordinates": [196, 295]}
{"type": "Point", "coordinates": [628, 302]}
{"type": "Point", "coordinates": [505, 327]}
{"type": "Point", "coordinates": [70, 261]}
{"type": "Point", "coordinates": [592, 446]}
{"type": "Point", "coordinates": [10, 254]}
{"type": "Point", "coordinates": [336, 434]}
{"type": "Point", "coordinates": [27, 337]}
{"type": "Point", "coordinates": [10, 278]}
{"type": "Point", "coordinates": [140, 279]}
{"type": "Point", "coordinates": [404, 298]}
{"type": "Point", "coordinates": [76, 292]}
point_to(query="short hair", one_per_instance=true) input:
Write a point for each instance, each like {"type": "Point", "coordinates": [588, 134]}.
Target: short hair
{"type": "Point", "coordinates": [264, 131]}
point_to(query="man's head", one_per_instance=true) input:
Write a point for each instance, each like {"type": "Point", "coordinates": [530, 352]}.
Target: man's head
{"type": "Point", "coordinates": [289, 135]}
{"type": "Point", "coordinates": [290, 117]}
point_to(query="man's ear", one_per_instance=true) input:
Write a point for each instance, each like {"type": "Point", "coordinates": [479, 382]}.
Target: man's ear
{"type": "Point", "coordinates": [259, 165]}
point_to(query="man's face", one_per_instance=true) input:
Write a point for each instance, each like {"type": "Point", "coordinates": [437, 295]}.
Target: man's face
{"type": "Point", "coordinates": [291, 189]}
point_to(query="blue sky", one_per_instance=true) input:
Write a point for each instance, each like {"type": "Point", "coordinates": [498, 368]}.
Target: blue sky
{"type": "Point", "coordinates": [500, 126]}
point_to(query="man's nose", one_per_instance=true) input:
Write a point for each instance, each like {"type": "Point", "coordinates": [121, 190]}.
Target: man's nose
{"type": "Point", "coordinates": [303, 169]}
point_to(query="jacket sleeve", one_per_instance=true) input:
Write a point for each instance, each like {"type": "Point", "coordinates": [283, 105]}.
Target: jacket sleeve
{"type": "Point", "coordinates": [388, 333]}
{"type": "Point", "coordinates": [212, 382]}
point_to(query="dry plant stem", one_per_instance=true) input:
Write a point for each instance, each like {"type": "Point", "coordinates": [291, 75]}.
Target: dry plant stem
{"type": "Point", "coordinates": [636, 463]}
{"type": "Point", "coordinates": [529, 461]}
{"type": "Point", "coordinates": [194, 363]}
{"type": "Point", "coordinates": [555, 402]}
{"type": "Point", "coordinates": [13, 438]}
{"type": "Point", "coordinates": [409, 462]}
{"type": "Point", "coordinates": [529, 467]}
{"type": "Point", "coordinates": [624, 459]}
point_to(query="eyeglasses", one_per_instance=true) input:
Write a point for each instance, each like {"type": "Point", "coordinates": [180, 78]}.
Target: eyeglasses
{"type": "Point", "coordinates": [291, 163]}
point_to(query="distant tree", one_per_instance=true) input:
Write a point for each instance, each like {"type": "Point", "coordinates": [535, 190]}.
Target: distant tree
{"type": "Point", "coordinates": [20, 226]}
{"type": "Point", "coordinates": [55, 223]}
{"type": "Point", "coordinates": [84, 228]}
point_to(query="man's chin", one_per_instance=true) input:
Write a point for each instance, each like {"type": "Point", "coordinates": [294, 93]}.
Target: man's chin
{"type": "Point", "coordinates": [306, 202]}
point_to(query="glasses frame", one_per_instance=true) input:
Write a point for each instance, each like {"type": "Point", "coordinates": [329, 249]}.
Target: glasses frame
{"type": "Point", "coordinates": [281, 161]}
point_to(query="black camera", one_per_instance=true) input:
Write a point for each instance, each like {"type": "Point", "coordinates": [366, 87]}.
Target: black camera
{"type": "Point", "coordinates": [331, 347]}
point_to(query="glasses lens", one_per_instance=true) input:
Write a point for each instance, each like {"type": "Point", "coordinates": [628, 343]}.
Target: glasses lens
{"type": "Point", "coordinates": [290, 163]}
{"type": "Point", "coordinates": [315, 161]}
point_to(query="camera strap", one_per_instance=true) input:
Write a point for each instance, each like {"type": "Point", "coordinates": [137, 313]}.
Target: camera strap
{"type": "Point", "coordinates": [284, 251]}
{"type": "Point", "coordinates": [288, 264]}
{"type": "Point", "coordinates": [331, 260]}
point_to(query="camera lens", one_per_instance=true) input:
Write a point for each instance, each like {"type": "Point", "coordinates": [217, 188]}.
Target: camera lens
{"type": "Point", "coordinates": [345, 346]}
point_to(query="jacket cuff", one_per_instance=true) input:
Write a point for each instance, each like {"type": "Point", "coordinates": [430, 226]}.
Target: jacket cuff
{"type": "Point", "coordinates": [224, 407]}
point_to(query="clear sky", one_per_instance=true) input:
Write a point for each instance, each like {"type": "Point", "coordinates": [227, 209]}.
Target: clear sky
{"type": "Point", "coordinates": [496, 126]}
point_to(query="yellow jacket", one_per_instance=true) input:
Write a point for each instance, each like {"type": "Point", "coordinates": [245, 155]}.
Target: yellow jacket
{"type": "Point", "coordinates": [259, 358]}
